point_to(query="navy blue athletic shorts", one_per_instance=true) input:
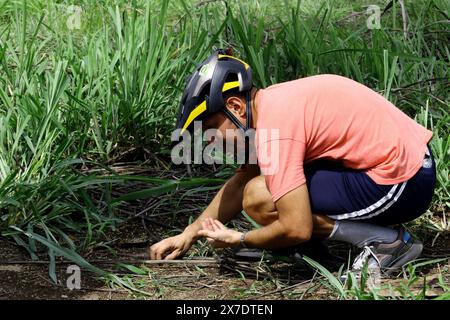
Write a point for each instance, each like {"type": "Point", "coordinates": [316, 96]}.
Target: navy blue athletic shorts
{"type": "Point", "coordinates": [347, 194]}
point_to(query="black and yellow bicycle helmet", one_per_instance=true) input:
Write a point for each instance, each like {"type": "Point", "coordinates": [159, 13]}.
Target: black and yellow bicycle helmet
{"type": "Point", "coordinates": [203, 94]}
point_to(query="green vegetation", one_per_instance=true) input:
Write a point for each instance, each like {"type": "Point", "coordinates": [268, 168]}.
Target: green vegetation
{"type": "Point", "coordinates": [76, 99]}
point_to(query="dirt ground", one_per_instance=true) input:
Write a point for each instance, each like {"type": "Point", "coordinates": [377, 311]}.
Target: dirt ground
{"type": "Point", "coordinates": [21, 278]}
{"type": "Point", "coordinates": [213, 275]}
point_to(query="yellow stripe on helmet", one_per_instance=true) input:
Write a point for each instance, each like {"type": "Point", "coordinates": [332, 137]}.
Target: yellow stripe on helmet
{"type": "Point", "coordinates": [194, 114]}
{"type": "Point", "coordinates": [230, 85]}
{"type": "Point", "coordinates": [227, 56]}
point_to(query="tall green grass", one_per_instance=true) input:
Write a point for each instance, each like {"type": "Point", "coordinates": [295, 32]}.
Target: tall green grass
{"type": "Point", "coordinates": [68, 97]}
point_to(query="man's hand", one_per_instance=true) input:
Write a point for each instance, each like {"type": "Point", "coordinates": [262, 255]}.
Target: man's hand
{"type": "Point", "coordinates": [171, 248]}
{"type": "Point", "coordinates": [218, 235]}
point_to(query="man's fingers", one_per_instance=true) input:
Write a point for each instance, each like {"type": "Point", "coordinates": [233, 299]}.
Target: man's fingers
{"type": "Point", "coordinates": [159, 253]}
{"type": "Point", "coordinates": [219, 225]}
{"type": "Point", "coordinates": [206, 233]}
{"type": "Point", "coordinates": [152, 252]}
{"type": "Point", "coordinates": [173, 255]}
{"type": "Point", "coordinates": [214, 225]}
{"type": "Point", "coordinates": [206, 225]}
{"type": "Point", "coordinates": [209, 224]}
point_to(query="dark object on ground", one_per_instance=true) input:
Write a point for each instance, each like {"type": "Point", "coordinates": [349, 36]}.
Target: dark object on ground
{"type": "Point", "coordinates": [314, 249]}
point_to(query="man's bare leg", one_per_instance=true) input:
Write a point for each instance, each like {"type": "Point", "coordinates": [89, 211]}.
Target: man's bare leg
{"type": "Point", "coordinates": [258, 204]}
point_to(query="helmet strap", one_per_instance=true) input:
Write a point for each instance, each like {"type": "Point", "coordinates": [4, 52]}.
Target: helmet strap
{"type": "Point", "coordinates": [233, 119]}
{"type": "Point", "coordinates": [238, 124]}
{"type": "Point", "coordinates": [248, 106]}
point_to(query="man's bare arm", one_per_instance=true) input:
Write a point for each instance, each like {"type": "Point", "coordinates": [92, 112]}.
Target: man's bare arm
{"type": "Point", "coordinates": [226, 204]}
{"type": "Point", "coordinates": [294, 224]}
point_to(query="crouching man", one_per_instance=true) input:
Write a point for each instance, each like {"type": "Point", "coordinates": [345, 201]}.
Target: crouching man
{"type": "Point", "coordinates": [347, 164]}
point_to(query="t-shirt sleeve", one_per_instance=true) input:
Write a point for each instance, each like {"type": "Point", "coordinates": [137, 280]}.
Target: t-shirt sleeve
{"type": "Point", "coordinates": [281, 162]}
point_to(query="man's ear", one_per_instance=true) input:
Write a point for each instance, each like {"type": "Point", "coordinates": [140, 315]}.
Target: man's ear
{"type": "Point", "coordinates": [236, 105]}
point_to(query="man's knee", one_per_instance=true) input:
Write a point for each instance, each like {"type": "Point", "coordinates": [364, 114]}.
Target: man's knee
{"type": "Point", "coordinates": [257, 201]}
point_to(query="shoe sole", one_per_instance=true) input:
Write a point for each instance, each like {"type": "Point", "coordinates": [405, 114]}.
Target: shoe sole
{"type": "Point", "coordinates": [251, 254]}
{"type": "Point", "coordinates": [410, 255]}
{"type": "Point", "coordinates": [313, 249]}
{"type": "Point", "coordinates": [257, 255]}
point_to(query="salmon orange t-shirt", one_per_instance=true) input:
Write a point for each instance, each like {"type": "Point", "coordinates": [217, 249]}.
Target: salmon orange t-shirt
{"type": "Point", "coordinates": [335, 118]}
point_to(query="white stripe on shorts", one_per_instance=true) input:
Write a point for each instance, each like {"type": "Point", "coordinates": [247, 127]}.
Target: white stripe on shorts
{"type": "Point", "coordinates": [356, 215]}
{"type": "Point", "coordinates": [385, 207]}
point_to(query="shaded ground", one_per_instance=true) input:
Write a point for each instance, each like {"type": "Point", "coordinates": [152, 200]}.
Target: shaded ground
{"type": "Point", "coordinates": [206, 279]}
{"type": "Point", "coordinates": [214, 275]}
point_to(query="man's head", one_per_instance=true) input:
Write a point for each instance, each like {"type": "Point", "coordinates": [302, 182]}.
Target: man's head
{"type": "Point", "coordinates": [218, 93]}
{"type": "Point", "coordinates": [236, 104]}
